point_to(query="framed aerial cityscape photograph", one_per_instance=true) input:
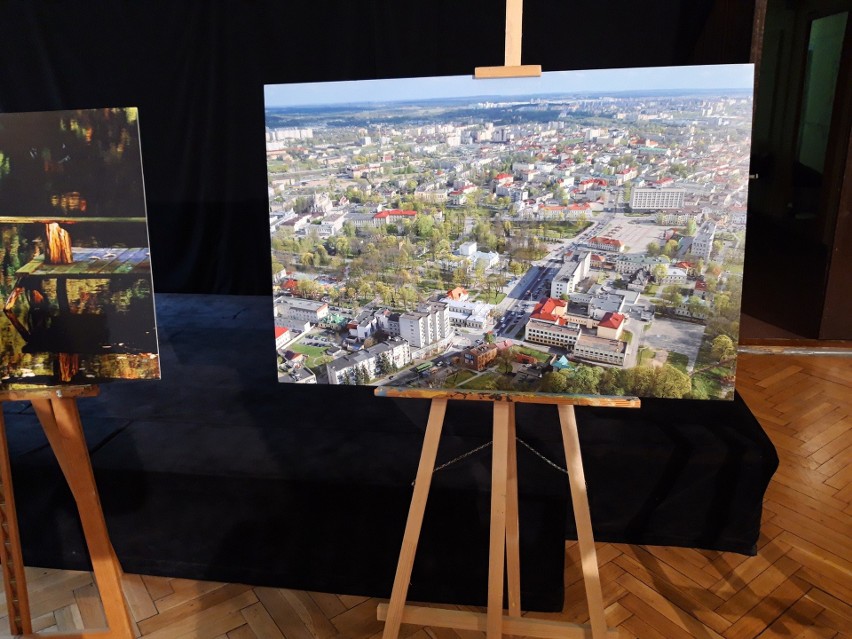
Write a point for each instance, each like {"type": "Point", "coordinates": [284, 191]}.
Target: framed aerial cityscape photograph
{"type": "Point", "coordinates": [76, 285]}
{"type": "Point", "coordinates": [580, 232]}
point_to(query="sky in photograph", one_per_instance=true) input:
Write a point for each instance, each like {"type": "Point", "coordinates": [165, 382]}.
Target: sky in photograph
{"type": "Point", "coordinates": [723, 76]}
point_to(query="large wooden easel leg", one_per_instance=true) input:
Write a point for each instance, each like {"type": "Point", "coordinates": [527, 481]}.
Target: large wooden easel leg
{"type": "Point", "coordinates": [61, 422]}
{"type": "Point", "coordinates": [497, 548]}
{"type": "Point", "coordinates": [513, 533]}
{"type": "Point", "coordinates": [14, 578]}
{"type": "Point", "coordinates": [582, 517]}
{"type": "Point", "coordinates": [415, 518]}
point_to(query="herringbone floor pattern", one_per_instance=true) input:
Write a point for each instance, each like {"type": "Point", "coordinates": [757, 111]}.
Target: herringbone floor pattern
{"type": "Point", "coordinates": [799, 585]}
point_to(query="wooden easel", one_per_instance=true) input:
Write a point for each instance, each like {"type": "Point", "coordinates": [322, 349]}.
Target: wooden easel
{"type": "Point", "coordinates": [504, 542]}
{"type": "Point", "coordinates": [56, 408]}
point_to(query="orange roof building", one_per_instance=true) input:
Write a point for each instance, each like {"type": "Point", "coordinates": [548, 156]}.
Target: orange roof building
{"type": "Point", "coordinates": [458, 294]}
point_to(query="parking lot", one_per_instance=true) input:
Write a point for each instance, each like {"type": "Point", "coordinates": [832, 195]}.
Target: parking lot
{"type": "Point", "coordinates": [675, 336]}
{"type": "Point", "coordinates": [634, 232]}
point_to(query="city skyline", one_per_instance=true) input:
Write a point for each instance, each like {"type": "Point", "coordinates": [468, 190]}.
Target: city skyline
{"type": "Point", "coordinates": [737, 77]}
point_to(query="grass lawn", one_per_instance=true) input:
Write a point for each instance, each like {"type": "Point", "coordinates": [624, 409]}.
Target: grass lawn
{"type": "Point", "coordinates": [554, 230]}
{"type": "Point", "coordinates": [459, 377]}
{"type": "Point", "coordinates": [481, 382]}
{"type": "Point", "coordinates": [707, 382]}
{"type": "Point", "coordinates": [645, 355]}
{"type": "Point", "coordinates": [310, 351]}
{"type": "Point", "coordinates": [317, 362]}
{"type": "Point", "coordinates": [678, 360]}
{"type": "Point", "coordinates": [494, 298]}
{"type": "Point", "coordinates": [540, 356]}
{"type": "Point", "coordinates": [315, 354]}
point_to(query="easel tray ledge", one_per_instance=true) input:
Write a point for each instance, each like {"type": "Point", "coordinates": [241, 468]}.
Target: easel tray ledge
{"type": "Point", "coordinates": [614, 401]}
{"type": "Point", "coordinates": [27, 393]}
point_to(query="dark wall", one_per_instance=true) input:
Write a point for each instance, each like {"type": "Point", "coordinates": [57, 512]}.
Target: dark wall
{"type": "Point", "coordinates": [196, 70]}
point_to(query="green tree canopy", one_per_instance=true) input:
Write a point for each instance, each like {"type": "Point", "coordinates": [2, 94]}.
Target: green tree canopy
{"type": "Point", "coordinates": [553, 382]}
{"type": "Point", "coordinates": [723, 348]}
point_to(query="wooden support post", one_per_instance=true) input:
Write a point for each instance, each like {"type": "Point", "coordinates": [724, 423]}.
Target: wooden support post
{"type": "Point", "coordinates": [512, 67]}
{"type": "Point", "coordinates": [497, 548]}
{"type": "Point", "coordinates": [57, 411]}
{"type": "Point", "coordinates": [415, 518]}
{"type": "Point", "coordinates": [583, 520]}
{"type": "Point", "coordinates": [514, 32]}
{"type": "Point", "coordinates": [513, 533]}
{"type": "Point", "coordinates": [14, 578]}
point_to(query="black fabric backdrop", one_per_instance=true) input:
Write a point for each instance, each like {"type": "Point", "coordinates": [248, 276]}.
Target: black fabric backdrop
{"type": "Point", "coordinates": [196, 70]}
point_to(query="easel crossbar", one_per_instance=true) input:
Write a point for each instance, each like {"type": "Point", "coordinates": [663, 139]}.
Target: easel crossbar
{"type": "Point", "coordinates": [477, 621]}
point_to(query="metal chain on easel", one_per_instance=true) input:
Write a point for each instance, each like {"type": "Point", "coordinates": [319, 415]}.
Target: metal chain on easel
{"type": "Point", "coordinates": [541, 456]}
{"type": "Point", "coordinates": [459, 458]}
{"type": "Point", "coordinates": [473, 451]}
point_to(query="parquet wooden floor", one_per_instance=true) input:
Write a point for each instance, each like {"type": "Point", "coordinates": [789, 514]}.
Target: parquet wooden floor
{"type": "Point", "coordinates": [798, 586]}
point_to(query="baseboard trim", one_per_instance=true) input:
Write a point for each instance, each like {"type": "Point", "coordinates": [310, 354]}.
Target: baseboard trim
{"type": "Point", "coordinates": [835, 348]}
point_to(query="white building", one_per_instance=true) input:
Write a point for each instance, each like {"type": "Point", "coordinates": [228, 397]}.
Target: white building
{"type": "Point", "coordinates": [601, 349]}
{"type": "Point", "coordinates": [486, 259]}
{"type": "Point", "coordinates": [467, 249]}
{"type": "Point", "coordinates": [629, 264]}
{"type": "Point", "coordinates": [292, 324]}
{"type": "Point", "coordinates": [674, 276]}
{"type": "Point", "coordinates": [600, 243]}
{"type": "Point", "coordinates": [678, 218]}
{"type": "Point", "coordinates": [541, 332]}
{"type": "Point", "coordinates": [363, 326]}
{"type": "Point", "coordinates": [282, 337]}
{"type": "Point", "coordinates": [293, 134]}
{"type": "Point", "coordinates": [702, 243]}
{"type": "Point", "coordinates": [428, 324]}
{"type": "Point", "coordinates": [331, 225]}
{"type": "Point", "coordinates": [301, 309]}
{"type": "Point", "coordinates": [575, 268]}
{"type": "Point", "coordinates": [343, 369]}
{"type": "Point", "coordinates": [652, 199]}
{"type": "Point", "coordinates": [476, 315]}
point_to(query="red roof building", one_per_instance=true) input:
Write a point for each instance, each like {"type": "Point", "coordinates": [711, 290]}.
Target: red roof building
{"type": "Point", "coordinates": [612, 320]}
{"type": "Point", "coordinates": [282, 336]}
{"type": "Point", "coordinates": [548, 310]}
{"type": "Point", "coordinates": [503, 178]}
{"type": "Point", "coordinates": [381, 215]}
{"type": "Point", "coordinates": [611, 326]}
{"type": "Point", "coordinates": [606, 244]}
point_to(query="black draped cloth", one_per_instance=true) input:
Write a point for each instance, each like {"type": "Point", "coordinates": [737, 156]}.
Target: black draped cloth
{"type": "Point", "coordinates": [196, 70]}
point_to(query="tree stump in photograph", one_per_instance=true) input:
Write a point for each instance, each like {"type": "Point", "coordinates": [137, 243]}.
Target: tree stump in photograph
{"type": "Point", "coordinates": [58, 245]}
{"type": "Point", "coordinates": [69, 366]}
